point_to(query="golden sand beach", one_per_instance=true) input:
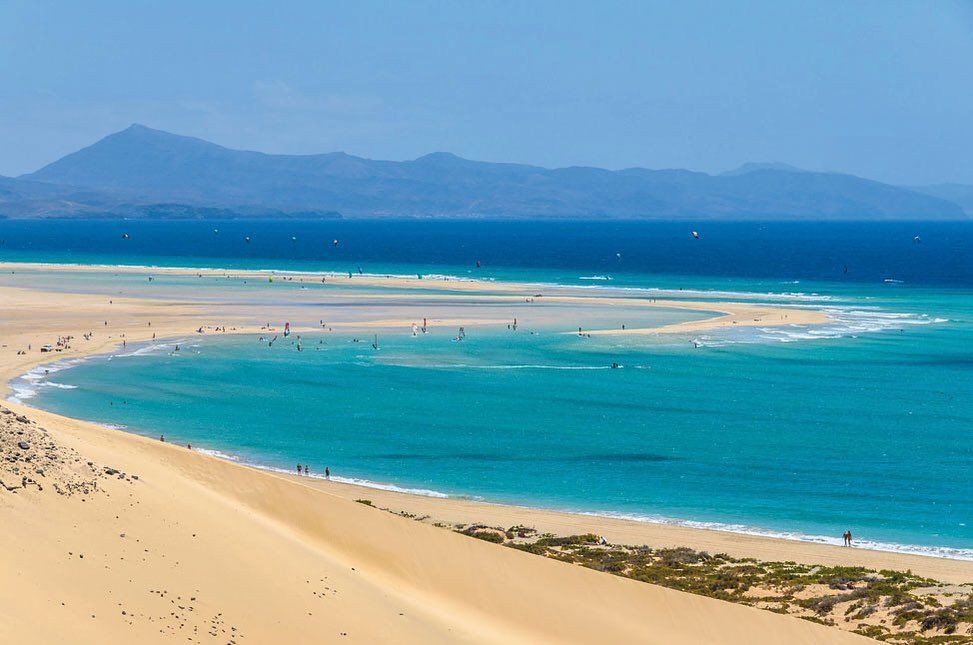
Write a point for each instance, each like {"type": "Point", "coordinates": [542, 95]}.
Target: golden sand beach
{"type": "Point", "coordinates": [122, 538]}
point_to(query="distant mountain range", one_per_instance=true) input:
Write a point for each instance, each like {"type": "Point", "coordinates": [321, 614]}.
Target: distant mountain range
{"type": "Point", "coordinates": [959, 194]}
{"type": "Point", "coordinates": [141, 172]}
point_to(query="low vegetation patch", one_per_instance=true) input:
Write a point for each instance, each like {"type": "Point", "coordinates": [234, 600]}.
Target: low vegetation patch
{"type": "Point", "coordinates": [889, 606]}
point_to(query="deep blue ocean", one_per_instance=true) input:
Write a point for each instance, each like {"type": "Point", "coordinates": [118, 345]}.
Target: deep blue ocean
{"type": "Point", "coordinates": [862, 252]}
{"type": "Point", "coordinates": [864, 423]}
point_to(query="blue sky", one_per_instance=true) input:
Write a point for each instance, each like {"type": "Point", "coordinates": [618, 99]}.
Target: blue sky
{"type": "Point", "coordinates": [879, 89]}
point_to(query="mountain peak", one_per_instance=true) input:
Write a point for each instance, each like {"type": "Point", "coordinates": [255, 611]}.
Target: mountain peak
{"type": "Point", "coordinates": [753, 166]}
{"type": "Point", "coordinates": [439, 157]}
{"type": "Point", "coordinates": [139, 132]}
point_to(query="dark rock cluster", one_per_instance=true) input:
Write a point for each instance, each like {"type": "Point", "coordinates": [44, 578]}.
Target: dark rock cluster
{"type": "Point", "coordinates": [30, 459]}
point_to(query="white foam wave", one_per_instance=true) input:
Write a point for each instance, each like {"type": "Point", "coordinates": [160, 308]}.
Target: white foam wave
{"type": "Point", "coordinates": [151, 348]}
{"type": "Point", "coordinates": [843, 322]}
{"type": "Point", "coordinates": [365, 483]}
{"type": "Point", "coordinates": [595, 277]}
{"type": "Point", "coordinates": [220, 454]}
{"type": "Point", "coordinates": [849, 321]}
{"type": "Point", "coordinates": [442, 277]}
{"type": "Point", "coordinates": [502, 367]}
{"type": "Point", "coordinates": [26, 386]}
{"type": "Point", "coordinates": [425, 492]}
{"type": "Point", "coordinates": [60, 386]}
{"type": "Point", "coordinates": [714, 294]}
{"type": "Point", "coordinates": [21, 393]}
{"type": "Point", "coordinates": [952, 553]}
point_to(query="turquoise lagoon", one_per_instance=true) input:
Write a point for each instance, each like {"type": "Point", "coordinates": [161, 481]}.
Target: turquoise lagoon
{"type": "Point", "coordinates": [863, 423]}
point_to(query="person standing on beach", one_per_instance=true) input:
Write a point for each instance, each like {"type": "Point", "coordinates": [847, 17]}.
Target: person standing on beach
{"type": "Point", "coordinates": [298, 469]}
{"type": "Point", "coordinates": [327, 473]}
{"type": "Point", "coordinates": [307, 471]}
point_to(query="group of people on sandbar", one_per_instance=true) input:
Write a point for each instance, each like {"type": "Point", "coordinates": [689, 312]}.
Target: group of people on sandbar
{"type": "Point", "coordinates": [304, 470]}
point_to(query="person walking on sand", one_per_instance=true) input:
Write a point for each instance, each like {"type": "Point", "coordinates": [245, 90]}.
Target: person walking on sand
{"type": "Point", "coordinates": [847, 538]}
{"type": "Point", "coordinates": [327, 473]}
{"type": "Point", "coordinates": [298, 469]}
{"type": "Point", "coordinates": [307, 471]}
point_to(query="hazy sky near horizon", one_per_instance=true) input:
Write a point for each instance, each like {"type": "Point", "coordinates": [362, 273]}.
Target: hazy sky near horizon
{"type": "Point", "coordinates": [879, 89]}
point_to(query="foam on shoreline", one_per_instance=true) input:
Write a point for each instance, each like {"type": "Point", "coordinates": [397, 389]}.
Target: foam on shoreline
{"type": "Point", "coordinates": [364, 483]}
{"type": "Point", "coordinates": [844, 322]}
{"type": "Point", "coordinates": [27, 385]}
{"type": "Point", "coordinates": [949, 553]}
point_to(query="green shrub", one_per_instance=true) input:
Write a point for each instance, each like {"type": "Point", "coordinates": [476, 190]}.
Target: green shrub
{"type": "Point", "coordinates": [489, 536]}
